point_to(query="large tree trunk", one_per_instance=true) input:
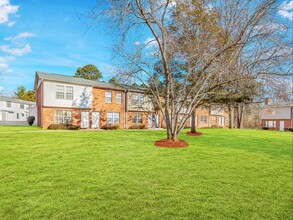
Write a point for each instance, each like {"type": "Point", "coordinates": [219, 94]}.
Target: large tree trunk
{"type": "Point", "coordinates": [239, 117]}
{"type": "Point", "coordinates": [230, 111]}
{"type": "Point", "coordinates": [193, 121]}
{"type": "Point", "coordinates": [172, 136]}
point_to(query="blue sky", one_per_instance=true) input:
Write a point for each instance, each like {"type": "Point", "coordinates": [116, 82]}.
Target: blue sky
{"type": "Point", "coordinates": [47, 35]}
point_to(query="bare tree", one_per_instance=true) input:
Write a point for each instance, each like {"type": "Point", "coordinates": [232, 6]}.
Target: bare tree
{"type": "Point", "coordinates": [206, 37]}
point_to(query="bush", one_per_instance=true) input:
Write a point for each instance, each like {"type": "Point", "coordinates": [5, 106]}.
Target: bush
{"type": "Point", "coordinates": [265, 128]}
{"type": "Point", "coordinates": [30, 120]}
{"type": "Point", "coordinates": [216, 126]}
{"type": "Point", "coordinates": [137, 126]}
{"type": "Point", "coordinates": [110, 127]}
{"type": "Point", "coordinates": [63, 127]}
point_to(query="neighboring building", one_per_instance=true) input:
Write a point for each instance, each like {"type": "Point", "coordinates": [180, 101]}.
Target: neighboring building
{"type": "Point", "coordinates": [93, 104]}
{"type": "Point", "coordinates": [277, 115]}
{"type": "Point", "coordinates": [15, 111]}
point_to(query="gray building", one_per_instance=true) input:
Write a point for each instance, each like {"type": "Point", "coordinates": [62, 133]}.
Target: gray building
{"type": "Point", "coordinates": [15, 111]}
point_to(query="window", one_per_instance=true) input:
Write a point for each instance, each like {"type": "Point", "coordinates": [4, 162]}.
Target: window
{"type": "Point", "coordinates": [17, 116]}
{"type": "Point", "coordinates": [64, 92]}
{"type": "Point", "coordinates": [22, 106]}
{"type": "Point", "coordinates": [63, 116]}
{"type": "Point", "coordinates": [136, 118]}
{"type": "Point", "coordinates": [69, 92]}
{"type": "Point", "coordinates": [214, 119]}
{"type": "Point", "coordinates": [8, 104]}
{"type": "Point", "coordinates": [271, 124]}
{"type": "Point", "coordinates": [203, 119]}
{"type": "Point", "coordinates": [113, 117]}
{"type": "Point", "coordinates": [60, 92]}
{"type": "Point", "coordinates": [22, 114]}
{"type": "Point", "coordinates": [137, 99]}
{"type": "Point", "coordinates": [118, 97]}
{"type": "Point", "coordinates": [108, 97]}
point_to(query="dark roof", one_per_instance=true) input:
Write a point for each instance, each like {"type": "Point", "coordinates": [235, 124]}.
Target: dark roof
{"type": "Point", "coordinates": [16, 100]}
{"type": "Point", "coordinates": [132, 88]}
{"type": "Point", "coordinates": [281, 104]}
{"type": "Point", "coordinates": [75, 80]}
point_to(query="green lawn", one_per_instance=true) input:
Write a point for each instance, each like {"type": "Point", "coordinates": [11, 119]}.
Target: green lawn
{"type": "Point", "coordinates": [223, 174]}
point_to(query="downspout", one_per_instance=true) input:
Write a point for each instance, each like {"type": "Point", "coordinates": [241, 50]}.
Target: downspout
{"type": "Point", "coordinates": [126, 110]}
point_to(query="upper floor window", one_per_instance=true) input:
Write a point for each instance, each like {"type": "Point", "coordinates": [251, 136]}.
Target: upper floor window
{"type": "Point", "coordinates": [137, 99]}
{"type": "Point", "coordinates": [69, 92]}
{"type": "Point", "coordinates": [108, 97]}
{"type": "Point", "coordinates": [63, 116]}
{"type": "Point", "coordinates": [64, 92]}
{"type": "Point", "coordinates": [22, 106]}
{"type": "Point", "coordinates": [137, 118]}
{"type": "Point", "coordinates": [113, 117]}
{"type": "Point", "coordinates": [8, 104]}
{"type": "Point", "coordinates": [203, 119]}
{"type": "Point", "coordinates": [118, 97]}
{"type": "Point", "coordinates": [60, 92]}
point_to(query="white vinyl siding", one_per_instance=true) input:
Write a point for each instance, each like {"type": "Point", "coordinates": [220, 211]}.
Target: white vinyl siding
{"type": "Point", "coordinates": [113, 117]}
{"type": "Point", "coordinates": [77, 96]}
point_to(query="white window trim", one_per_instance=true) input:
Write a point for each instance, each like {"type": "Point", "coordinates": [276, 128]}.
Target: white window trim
{"type": "Point", "coordinates": [108, 97]}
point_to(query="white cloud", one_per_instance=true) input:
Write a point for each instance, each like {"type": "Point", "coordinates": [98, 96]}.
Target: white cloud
{"type": "Point", "coordinates": [16, 51]}
{"type": "Point", "coordinates": [11, 23]}
{"type": "Point", "coordinates": [20, 36]}
{"type": "Point", "coordinates": [286, 9]}
{"type": "Point", "coordinates": [137, 43]}
{"type": "Point", "coordinates": [5, 9]}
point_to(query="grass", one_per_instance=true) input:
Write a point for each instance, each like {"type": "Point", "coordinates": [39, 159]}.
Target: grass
{"type": "Point", "coordinates": [223, 174]}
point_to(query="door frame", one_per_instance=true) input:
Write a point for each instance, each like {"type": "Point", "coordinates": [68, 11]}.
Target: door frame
{"type": "Point", "coordinates": [99, 120]}
{"type": "Point", "coordinates": [81, 119]}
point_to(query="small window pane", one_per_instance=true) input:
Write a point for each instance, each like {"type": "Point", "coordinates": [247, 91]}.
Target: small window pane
{"type": "Point", "coordinates": [8, 104]}
{"type": "Point", "coordinates": [22, 106]}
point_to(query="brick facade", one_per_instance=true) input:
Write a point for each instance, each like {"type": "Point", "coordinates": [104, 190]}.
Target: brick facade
{"type": "Point", "coordinates": [276, 123]}
{"type": "Point", "coordinates": [100, 105]}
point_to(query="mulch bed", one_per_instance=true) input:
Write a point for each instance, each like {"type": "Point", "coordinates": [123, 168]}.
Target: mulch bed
{"type": "Point", "coordinates": [193, 134]}
{"type": "Point", "coordinates": [171, 144]}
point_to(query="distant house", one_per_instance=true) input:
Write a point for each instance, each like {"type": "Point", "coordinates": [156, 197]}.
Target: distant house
{"type": "Point", "coordinates": [15, 111]}
{"type": "Point", "coordinates": [277, 115]}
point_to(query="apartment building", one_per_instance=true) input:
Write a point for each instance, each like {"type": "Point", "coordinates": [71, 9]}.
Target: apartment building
{"type": "Point", "coordinates": [15, 111]}
{"type": "Point", "coordinates": [93, 104]}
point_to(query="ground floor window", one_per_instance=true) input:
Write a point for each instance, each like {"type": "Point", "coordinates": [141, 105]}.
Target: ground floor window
{"type": "Point", "coordinates": [113, 117]}
{"type": "Point", "coordinates": [270, 124]}
{"type": "Point", "coordinates": [63, 117]}
{"type": "Point", "coordinates": [214, 119]}
{"type": "Point", "coordinates": [137, 118]}
{"type": "Point", "coordinates": [203, 119]}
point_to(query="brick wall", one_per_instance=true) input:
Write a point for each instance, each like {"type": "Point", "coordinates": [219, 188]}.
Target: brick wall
{"type": "Point", "coordinates": [100, 105]}
{"type": "Point", "coordinates": [287, 123]}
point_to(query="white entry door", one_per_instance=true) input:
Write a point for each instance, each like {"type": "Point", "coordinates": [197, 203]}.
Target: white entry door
{"type": "Point", "coordinates": [150, 120]}
{"type": "Point", "coordinates": [85, 120]}
{"type": "Point", "coordinates": [96, 120]}
{"type": "Point", "coordinates": [282, 125]}
{"type": "Point", "coordinates": [220, 121]}
{"type": "Point", "coordinates": [157, 120]}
